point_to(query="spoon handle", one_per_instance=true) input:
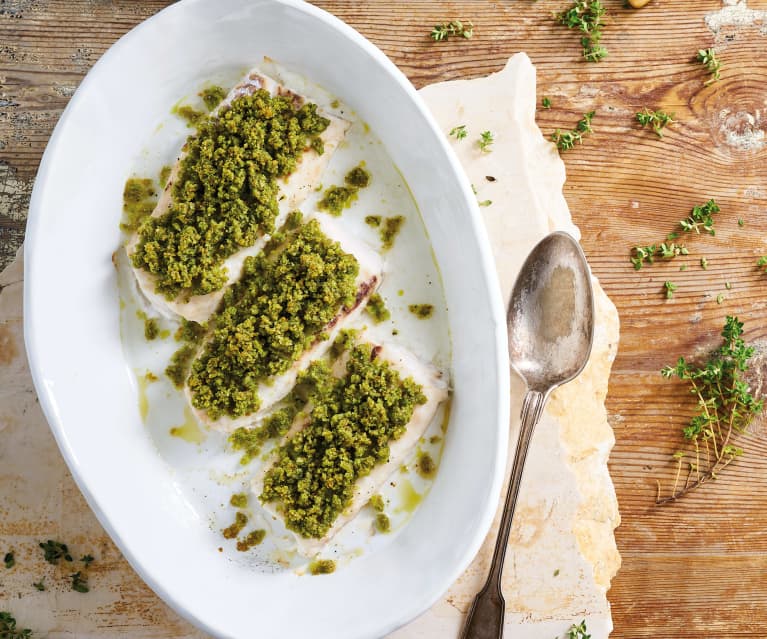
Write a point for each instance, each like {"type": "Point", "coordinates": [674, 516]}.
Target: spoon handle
{"type": "Point", "coordinates": [485, 619]}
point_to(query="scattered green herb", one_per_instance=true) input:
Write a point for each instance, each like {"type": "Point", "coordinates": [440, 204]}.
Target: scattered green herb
{"type": "Point", "coordinates": [55, 550]}
{"type": "Point", "coordinates": [707, 57]}
{"type": "Point", "coordinates": [702, 216]}
{"type": "Point", "coordinates": [486, 140]}
{"type": "Point", "coordinates": [485, 202]}
{"type": "Point", "coordinates": [546, 103]}
{"type": "Point", "coordinates": [656, 119]}
{"type": "Point", "coordinates": [762, 261]}
{"type": "Point", "coordinates": [9, 560]}
{"type": "Point", "coordinates": [726, 407]}
{"type": "Point", "coordinates": [8, 628]}
{"type": "Point", "coordinates": [373, 220]}
{"type": "Point", "coordinates": [565, 140]}
{"type": "Point", "coordinates": [79, 582]}
{"type": "Point", "coordinates": [719, 298]}
{"type": "Point", "coordinates": [669, 287]}
{"type": "Point", "coordinates": [728, 285]}
{"type": "Point", "coordinates": [39, 585]}
{"type": "Point", "coordinates": [740, 221]}
{"type": "Point", "coordinates": [556, 572]}
{"type": "Point", "coordinates": [456, 28]}
{"type": "Point", "coordinates": [704, 263]}
{"type": "Point", "coordinates": [646, 254]}
{"type": "Point", "coordinates": [87, 560]}
{"type": "Point", "coordinates": [588, 17]}
{"type": "Point", "coordinates": [459, 132]}
{"type": "Point", "coordinates": [578, 631]}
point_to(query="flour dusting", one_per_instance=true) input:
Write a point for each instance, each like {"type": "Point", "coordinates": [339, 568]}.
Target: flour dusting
{"type": "Point", "coordinates": [737, 14]}
{"type": "Point", "coordinates": [743, 130]}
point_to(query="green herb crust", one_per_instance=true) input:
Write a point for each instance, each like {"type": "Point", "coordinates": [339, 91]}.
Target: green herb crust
{"type": "Point", "coordinates": [280, 306]}
{"type": "Point", "coordinates": [421, 311]}
{"type": "Point", "coordinates": [322, 567]}
{"type": "Point", "coordinates": [225, 195]}
{"type": "Point", "coordinates": [348, 434]}
{"type": "Point", "coordinates": [316, 379]}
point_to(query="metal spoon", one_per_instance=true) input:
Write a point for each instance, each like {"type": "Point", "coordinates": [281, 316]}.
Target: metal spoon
{"type": "Point", "coordinates": [550, 323]}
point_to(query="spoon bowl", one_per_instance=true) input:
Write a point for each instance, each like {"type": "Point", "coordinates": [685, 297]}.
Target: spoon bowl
{"type": "Point", "coordinates": [550, 323]}
{"type": "Point", "coordinates": [550, 317]}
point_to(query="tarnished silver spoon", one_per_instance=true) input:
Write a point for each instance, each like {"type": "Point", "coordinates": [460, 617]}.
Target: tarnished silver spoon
{"type": "Point", "coordinates": [550, 323]}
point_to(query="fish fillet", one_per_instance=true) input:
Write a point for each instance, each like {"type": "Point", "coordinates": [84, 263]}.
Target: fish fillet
{"type": "Point", "coordinates": [293, 191]}
{"type": "Point", "coordinates": [435, 389]}
{"type": "Point", "coordinates": [274, 389]}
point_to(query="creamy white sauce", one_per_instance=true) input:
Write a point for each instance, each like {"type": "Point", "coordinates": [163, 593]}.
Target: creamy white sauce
{"type": "Point", "coordinates": [208, 473]}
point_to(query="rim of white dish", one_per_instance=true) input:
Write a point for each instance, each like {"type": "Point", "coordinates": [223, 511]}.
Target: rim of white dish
{"type": "Point", "coordinates": [500, 364]}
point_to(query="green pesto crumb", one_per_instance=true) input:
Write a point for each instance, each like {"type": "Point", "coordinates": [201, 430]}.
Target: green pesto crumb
{"type": "Point", "coordinates": [252, 539]}
{"type": "Point", "coordinates": [322, 567]}
{"type": "Point", "coordinates": [150, 377]}
{"type": "Point", "coordinates": [239, 500]}
{"type": "Point", "coordinates": [421, 311]}
{"type": "Point", "coordinates": [189, 331]}
{"type": "Point", "coordinates": [373, 220]}
{"type": "Point", "coordinates": [376, 308]}
{"type": "Point", "coordinates": [358, 177]}
{"type": "Point", "coordinates": [9, 560]}
{"type": "Point", "coordinates": [212, 96]}
{"type": "Point", "coordinates": [425, 465]}
{"type": "Point", "coordinates": [383, 525]}
{"type": "Point", "coordinates": [390, 230]}
{"type": "Point", "coordinates": [337, 198]}
{"type": "Point", "coordinates": [556, 572]}
{"type": "Point", "coordinates": [192, 116]}
{"type": "Point", "coordinates": [180, 364]}
{"type": "Point", "coordinates": [240, 521]}
{"type": "Point", "coordinates": [377, 503]}
{"type": "Point", "coordinates": [343, 342]}
{"type": "Point", "coordinates": [435, 439]}
{"type": "Point", "coordinates": [139, 200]}
{"type": "Point", "coordinates": [335, 104]}
{"type": "Point", "coordinates": [394, 331]}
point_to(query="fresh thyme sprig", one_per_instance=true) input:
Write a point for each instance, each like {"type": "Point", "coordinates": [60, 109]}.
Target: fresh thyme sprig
{"type": "Point", "coordinates": [486, 139]}
{"type": "Point", "coordinates": [565, 140]}
{"type": "Point", "coordinates": [459, 132]}
{"type": "Point", "coordinates": [702, 216]}
{"type": "Point", "coordinates": [8, 628]}
{"type": "Point", "coordinates": [79, 582]}
{"type": "Point", "coordinates": [578, 631]}
{"type": "Point", "coordinates": [726, 407]}
{"type": "Point", "coordinates": [586, 16]}
{"type": "Point", "coordinates": [656, 119]}
{"type": "Point", "coordinates": [762, 262]}
{"type": "Point", "coordinates": [669, 287]}
{"type": "Point", "coordinates": [453, 28]}
{"type": "Point", "coordinates": [546, 103]}
{"type": "Point", "coordinates": [707, 57]}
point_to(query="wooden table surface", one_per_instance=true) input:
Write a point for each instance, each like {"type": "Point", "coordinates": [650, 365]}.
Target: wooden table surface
{"type": "Point", "coordinates": [692, 569]}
